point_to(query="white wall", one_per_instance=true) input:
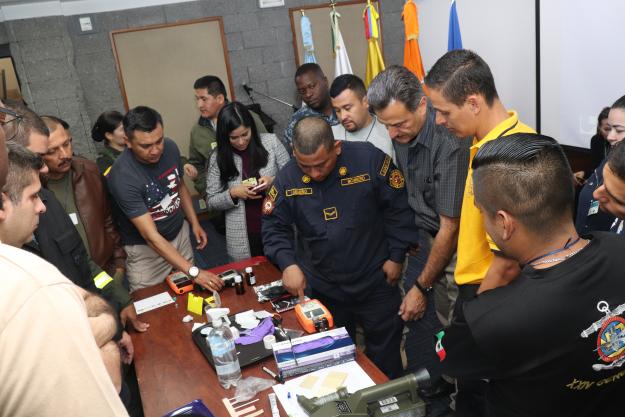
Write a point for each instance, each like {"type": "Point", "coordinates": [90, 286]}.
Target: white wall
{"type": "Point", "coordinates": [582, 65]}
{"type": "Point", "coordinates": [500, 31]}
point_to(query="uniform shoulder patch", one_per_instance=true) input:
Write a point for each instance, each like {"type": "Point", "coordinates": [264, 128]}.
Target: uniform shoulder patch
{"type": "Point", "coordinates": [273, 193]}
{"type": "Point", "coordinates": [396, 179]}
{"type": "Point", "coordinates": [385, 166]}
{"type": "Point", "coordinates": [268, 206]}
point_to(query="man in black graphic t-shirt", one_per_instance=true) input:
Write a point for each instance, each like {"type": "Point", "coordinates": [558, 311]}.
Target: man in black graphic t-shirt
{"type": "Point", "coordinates": [552, 342]}
{"type": "Point", "coordinates": [147, 185]}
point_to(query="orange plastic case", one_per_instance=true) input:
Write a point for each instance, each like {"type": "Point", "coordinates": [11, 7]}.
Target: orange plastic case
{"type": "Point", "coordinates": [311, 312]}
{"type": "Point", "coordinates": [179, 282]}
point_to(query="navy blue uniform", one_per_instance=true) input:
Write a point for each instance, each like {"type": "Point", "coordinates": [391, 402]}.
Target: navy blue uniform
{"type": "Point", "coordinates": [352, 222]}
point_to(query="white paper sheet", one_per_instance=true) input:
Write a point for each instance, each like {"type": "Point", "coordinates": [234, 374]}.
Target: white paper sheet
{"type": "Point", "coordinates": [357, 379]}
{"type": "Point", "coordinates": [155, 301]}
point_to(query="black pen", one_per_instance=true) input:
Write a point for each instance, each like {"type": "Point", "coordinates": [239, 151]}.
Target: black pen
{"type": "Point", "coordinates": [280, 380]}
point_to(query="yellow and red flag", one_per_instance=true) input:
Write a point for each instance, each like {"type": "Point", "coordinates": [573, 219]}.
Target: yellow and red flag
{"type": "Point", "coordinates": [375, 62]}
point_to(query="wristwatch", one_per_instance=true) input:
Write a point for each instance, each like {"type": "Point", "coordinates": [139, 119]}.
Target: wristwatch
{"type": "Point", "coordinates": [194, 271]}
{"type": "Point", "coordinates": [424, 291]}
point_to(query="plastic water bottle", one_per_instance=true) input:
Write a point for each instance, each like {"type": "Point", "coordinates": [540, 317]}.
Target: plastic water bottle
{"type": "Point", "coordinates": [225, 358]}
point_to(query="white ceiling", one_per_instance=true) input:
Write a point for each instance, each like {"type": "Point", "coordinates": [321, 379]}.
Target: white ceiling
{"type": "Point", "coordinates": [25, 9]}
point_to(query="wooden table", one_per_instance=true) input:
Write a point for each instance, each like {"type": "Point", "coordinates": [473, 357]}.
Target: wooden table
{"type": "Point", "coordinates": [171, 369]}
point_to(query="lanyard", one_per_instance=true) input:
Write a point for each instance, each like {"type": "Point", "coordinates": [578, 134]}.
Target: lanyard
{"type": "Point", "coordinates": [567, 245]}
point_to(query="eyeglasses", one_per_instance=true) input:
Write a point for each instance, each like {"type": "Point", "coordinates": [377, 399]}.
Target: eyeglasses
{"type": "Point", "coordinates": [13, 122]}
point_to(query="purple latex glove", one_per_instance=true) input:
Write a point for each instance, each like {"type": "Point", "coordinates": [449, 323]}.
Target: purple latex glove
{"type": "Point", "coordinates": [256, 334]}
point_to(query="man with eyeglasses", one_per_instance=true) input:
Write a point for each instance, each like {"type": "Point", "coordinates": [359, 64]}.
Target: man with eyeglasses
{"type": "Point", "coordinates": [24, 126]}
{"type": "Point", "coordinates": [45, 318]}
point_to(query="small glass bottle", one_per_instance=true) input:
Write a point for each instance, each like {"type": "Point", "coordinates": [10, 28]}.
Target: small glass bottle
{"type": "Point", "coordinates": [238, 285]}
{"type": "Point", "coordinates": [249, 276]}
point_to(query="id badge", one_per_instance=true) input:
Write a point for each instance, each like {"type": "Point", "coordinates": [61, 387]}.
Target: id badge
{"type": "Point", "coordinates": [594, 208]}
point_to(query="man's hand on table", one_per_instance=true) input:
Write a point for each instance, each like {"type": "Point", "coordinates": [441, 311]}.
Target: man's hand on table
{"type": "Point", "coordinates": [129, 313]}
{"type": "Point", "coordinates": [294, 280]}
{"type": "Point", "coordinates": [209, 281]}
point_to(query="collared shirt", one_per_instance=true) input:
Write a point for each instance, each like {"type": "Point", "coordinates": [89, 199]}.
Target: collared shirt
{"type": "Point", "coordinates": [352, 222]}
{"type": "Point", "coordinates": [302, 113]}
{"type": "Point", "coordinates": [475, 247]}
{"type": "Point", "coordinates": [435, 165]}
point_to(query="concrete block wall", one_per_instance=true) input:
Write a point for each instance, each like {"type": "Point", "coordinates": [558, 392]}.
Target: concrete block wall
{"type": "Point", "coordinates": [72, 75]}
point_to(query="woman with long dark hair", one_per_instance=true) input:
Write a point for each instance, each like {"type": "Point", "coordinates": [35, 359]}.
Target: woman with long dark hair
{"type": "Point", "coordinates": [240, 171]}
{"type": "Point", "coordinates": [109, 129]}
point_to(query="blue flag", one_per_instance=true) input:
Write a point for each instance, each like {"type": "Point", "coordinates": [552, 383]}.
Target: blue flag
{"type": "Point", "coordinates": [454, 39]}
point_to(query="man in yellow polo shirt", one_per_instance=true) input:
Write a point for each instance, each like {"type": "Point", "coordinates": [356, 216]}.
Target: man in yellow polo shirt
{"type": "Point", "coordinates": [462, 90]}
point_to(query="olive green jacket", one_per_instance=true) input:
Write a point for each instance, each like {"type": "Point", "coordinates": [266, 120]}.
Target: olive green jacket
{"type": "Point", "coordinates": [203, 142]}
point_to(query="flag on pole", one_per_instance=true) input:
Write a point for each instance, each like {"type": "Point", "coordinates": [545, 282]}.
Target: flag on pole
{"type": "Point", "coordinates": [307, 39]}
{"type": "Point", "coordinates": [341, 60]}
{"type": "Point", "coordinates": [375, 62]}
{"type": "Point", "coordinates": [454, 40]}
{"type": "Point", "coordinates": [412, 53]}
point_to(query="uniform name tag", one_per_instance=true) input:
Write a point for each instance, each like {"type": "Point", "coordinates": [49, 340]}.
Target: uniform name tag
{"type": "Point", "coordinates": [594, 207]}
{"type": "Point", "coordinates": [355, 180]}
{"type": "Point", "coordinates": [292, 192]}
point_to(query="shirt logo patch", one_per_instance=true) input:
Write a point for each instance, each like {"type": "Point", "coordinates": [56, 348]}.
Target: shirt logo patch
{"type": "Point", "coordinates": [268, 206]}
{"type": "Point", "coordinates": [610, 331]}
{"type": "Point", "coordinates": [291, 192]}
{"type": "Point", "coordinates": [305, 179]}
{"type": "Point", "coordinates": [330, 213]}
{"type": "Point", "coordinates": [355, 180]}
{"type": "Point", "coordinates": [396, 179]}
{"type": "Point", "coordinates": [385, 166]}
{"type": "Point", "coordinates": [273, 193]}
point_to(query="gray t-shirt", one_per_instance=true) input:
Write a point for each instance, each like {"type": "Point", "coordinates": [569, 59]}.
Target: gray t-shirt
{"type": "Point", "coordinates": [138, 188]}
{"type": "Point", "coordinates": [375, 132]}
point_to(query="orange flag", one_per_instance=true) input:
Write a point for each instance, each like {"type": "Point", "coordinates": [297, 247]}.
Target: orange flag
{"type": "Point", "coordinates": [412, 53]}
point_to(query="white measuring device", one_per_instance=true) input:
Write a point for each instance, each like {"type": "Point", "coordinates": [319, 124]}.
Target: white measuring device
{"type": "Point", "coordinates": [274, 405]}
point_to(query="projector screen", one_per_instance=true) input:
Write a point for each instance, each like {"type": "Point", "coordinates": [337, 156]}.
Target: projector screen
{"type": "Point", "coordinates": [582, 65]}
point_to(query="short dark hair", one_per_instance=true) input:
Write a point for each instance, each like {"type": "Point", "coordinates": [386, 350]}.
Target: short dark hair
{"type": "Point", "coordinates": [53, 122]}
{"type": "Point", "coordinates": [22, 165]}
{"type": "Point", "coordinates": [309, 67]}
{"type": "Point", "coordinates": [348, 82]}
{"type": "Point", "coordinates": [395, 84]}
{"type": "Point", "coordinates": [619, 104]}
{"type": "Point", "coordinates": [213, 84]}
{"type": "Point", "coordinates": [141, 118]}
{"type": "Point", "coordinates": [232, 116]}
{"type": "Point", "coordinates": [460, 73]}
{"type": "Point", "coordinates": [616, 160]}
{"type": "Point", "coordinates": [31, 122]}
{"type": "Point", "coordinates": [310, 133]}
{"type": "Point", "coordinates": [528, 176]}
{"type": "Point", "coordinates": [107, 122]}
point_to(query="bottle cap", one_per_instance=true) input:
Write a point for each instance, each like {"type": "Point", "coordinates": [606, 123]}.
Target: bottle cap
{"type": "Point", "coordinates": [248, 269]}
